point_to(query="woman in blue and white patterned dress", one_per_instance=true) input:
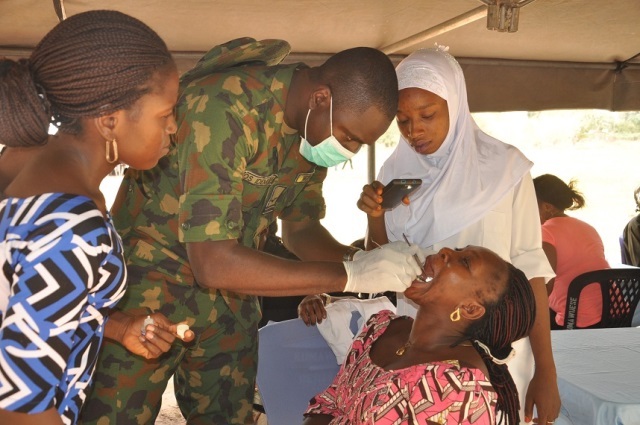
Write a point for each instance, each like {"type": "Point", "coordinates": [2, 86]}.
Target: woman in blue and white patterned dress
{"type": "Point", "coordinates": [98, 76]}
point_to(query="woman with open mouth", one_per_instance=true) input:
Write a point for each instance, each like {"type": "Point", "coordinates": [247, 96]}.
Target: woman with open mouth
{"type": "Point", "coordinates": [445, 366]}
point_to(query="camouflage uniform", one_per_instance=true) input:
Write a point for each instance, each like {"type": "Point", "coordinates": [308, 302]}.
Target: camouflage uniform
{"type": "Point", "coordinates": [235, 168]}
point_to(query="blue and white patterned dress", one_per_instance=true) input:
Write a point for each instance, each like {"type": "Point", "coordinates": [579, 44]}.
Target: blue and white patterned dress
{"type": "Point", "coordinates": [62, 271]}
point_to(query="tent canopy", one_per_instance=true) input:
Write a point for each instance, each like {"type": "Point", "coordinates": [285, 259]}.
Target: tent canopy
{"type": "Point", "coordinates": [565, 54]}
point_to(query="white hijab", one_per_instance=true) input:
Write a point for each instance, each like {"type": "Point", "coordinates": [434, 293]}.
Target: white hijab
{"type": "Point", "coordinates": [469, 174]}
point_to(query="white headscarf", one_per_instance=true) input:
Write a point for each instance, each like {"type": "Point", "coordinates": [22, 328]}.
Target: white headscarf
{"type": "Point", "coordinates": [469, 174]}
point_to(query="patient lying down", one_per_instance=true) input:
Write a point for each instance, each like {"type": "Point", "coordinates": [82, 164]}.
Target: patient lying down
{"type": "Point", "coordinates": [448, 365]}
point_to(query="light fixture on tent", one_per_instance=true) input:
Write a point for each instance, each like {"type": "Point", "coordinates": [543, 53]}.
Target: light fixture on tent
{"type": "Point", "coordinates": [503, 15]}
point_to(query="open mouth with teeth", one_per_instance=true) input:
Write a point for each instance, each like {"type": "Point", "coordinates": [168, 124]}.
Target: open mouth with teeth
{"type": "Point", "coordinates": [427, 273]}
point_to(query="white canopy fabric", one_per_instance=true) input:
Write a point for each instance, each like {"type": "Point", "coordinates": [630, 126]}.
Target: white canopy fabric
{"type": "Point", "coordinates": [565, 54]}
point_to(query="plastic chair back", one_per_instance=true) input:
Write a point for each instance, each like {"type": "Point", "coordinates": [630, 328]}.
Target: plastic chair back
{"type": "Point", "coordinates": [620, 295]}
{"type": "Point", "coordinates": [295, 363]}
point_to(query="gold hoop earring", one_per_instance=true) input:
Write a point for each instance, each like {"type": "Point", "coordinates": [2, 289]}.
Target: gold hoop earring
{"type": "Point", "coordinates": [111, 160]}
{"type": "Point", "coordinates": [455, 316]}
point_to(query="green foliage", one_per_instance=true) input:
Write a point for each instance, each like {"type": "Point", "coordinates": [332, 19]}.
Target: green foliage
{"type": "Point", "coordinates": [390, 137]}
{"type": "Point", "coordinates": [533, 114]}
{"type": "Point", "coordinates": [600, 124]}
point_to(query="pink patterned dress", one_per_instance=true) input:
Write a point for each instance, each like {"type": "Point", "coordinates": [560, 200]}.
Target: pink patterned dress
{"type": "Point", "coordinates": [432, 393]}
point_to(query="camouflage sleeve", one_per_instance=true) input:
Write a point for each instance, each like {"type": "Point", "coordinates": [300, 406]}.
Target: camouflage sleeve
{"type": "Point", "coordinates": [309, 204]}
{"type": "Point", "coordinates": [213, 155]}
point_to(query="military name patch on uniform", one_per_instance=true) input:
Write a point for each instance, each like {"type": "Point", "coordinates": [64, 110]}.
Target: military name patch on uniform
{"type": "Point", "coordinates": [303, 177]}
{"type": "Point", "coordinates": [257, 180]}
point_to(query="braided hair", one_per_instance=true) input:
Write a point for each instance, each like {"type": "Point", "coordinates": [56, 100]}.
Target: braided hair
{"type": "Point", "coordinates": [507, 319]}
{"type": "Point", "coordinates": [91, 64]}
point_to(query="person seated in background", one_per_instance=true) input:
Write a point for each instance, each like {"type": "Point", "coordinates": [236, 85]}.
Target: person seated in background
{"type": "Point", "coordinates": [448, 364]}
{"type": "Point", "coordinates": [572, 246]}
{"type": "Point", "coordinates": [631, 235]}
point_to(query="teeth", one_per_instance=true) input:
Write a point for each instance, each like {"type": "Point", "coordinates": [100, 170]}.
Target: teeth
{"type": "Point", "coordinates": [424, 279]}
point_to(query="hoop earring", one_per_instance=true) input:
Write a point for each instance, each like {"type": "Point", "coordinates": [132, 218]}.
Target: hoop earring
{"type": "Point", "coordinates": [111, 160]}
{"type": "Point", "coordinates": [455, 316]}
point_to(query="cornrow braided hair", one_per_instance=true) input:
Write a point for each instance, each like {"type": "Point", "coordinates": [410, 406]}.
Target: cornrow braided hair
{"type": "Point", "coordinates": [506, 320]}
{"type": "Point", "coordinates": [91, 64]}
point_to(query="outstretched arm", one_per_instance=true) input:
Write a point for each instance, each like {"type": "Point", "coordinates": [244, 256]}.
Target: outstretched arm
{"type": "Point", "coordinates": [543, 388]}
{"type": "Point", "coordinates": [527, 254]}
{"type": "Point", "coordinates": [229, 265]}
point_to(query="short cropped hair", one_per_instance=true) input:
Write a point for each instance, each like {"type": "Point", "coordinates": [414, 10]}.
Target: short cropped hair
{"type": "Point", "coordinates": [362, 77]}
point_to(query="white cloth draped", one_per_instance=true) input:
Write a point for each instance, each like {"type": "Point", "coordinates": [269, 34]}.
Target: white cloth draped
{"type": "Point", "coordinates": [339, 331]}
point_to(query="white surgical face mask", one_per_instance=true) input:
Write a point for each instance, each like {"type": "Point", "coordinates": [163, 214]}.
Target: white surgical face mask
{"type": "Point", "coordinates": [327, 153]}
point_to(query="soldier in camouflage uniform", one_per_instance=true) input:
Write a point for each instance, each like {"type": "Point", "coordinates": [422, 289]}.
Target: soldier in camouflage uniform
{"type": "Point", "coordinates": [191, 226]}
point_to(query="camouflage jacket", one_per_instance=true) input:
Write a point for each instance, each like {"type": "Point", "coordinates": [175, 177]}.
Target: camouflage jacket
{"type": "Point", "coordinates": [234, 167]}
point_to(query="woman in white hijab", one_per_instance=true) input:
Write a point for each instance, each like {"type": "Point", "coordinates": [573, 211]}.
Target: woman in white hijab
{"type": "Point", "coordinates": [475, 190]}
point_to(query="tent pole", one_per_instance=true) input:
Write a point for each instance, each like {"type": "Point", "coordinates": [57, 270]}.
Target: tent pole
{"type": "Point", "coordinates": [371, 162]}
{"type": "Point", "coordinates": [58, 6]}
{"type": "Point", "coordinates": [451, 24]}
